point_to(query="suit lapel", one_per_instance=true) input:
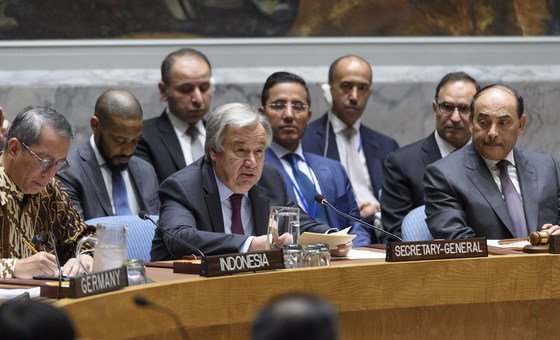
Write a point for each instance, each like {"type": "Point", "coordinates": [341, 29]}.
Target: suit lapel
{"type": "Point", "coordinates": [323, 175]}
{"type": "Point", "coordinates": [93, 173]}
{"type": "Point", "coordinates": [272, 159]}
{"type": "Point", "coordinates": [326, 183]}
{"type": "Point", "coordinates": [430, 150]}
{"type": "Point", "coordinates": [332, 151]}
{"type": "Point", "coordinates": [479, 174]}
{"type": "Point", "coordinates": [528, 182]}
{"type": "Point", "coordinates": [170, 141]}
{"type": "Point", "coordinates": [261, 208]}
{"type": "Point", "coordinates": [212, 197]}
{"type": "Point", "coordinates": [137, 179]}
{"type": "Point", "coordinates": [371, 148]}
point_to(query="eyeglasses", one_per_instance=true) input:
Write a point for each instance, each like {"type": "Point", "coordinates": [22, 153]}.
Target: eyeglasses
{"type": "Point", "coordinates": [47, 164]}
{"type": "Point", "coordinates": [449, 108]}
{"type": "Point", "coordinates": [297, 107]}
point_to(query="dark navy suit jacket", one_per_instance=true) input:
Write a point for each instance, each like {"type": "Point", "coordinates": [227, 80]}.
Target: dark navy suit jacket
{"type": "Point", "coordinates": [403, 186]}
{"type": "Point", "coordinates": [191, 209]}
{"type": "Point", "coordinates": [376, 147]}
{"type": "Point", "coordinates": [335, 188]}
{"type": "Point", "coordinates": [160, 147]}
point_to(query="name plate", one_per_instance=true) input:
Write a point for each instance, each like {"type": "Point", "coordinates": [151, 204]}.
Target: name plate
{"type": "Point", "coordinates": [218, 265]}
{"type": "Point", "coordinates": [86, 285]}
{"type": "Point", "coordinates": [436, 249]}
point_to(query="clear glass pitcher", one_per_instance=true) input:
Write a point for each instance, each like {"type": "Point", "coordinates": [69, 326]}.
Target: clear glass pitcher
{"type": "Point", "coordinates": [109, 247]}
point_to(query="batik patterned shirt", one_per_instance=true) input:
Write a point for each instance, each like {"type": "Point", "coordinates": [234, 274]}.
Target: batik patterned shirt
{"type": "Point", "coordinates": [23, 217]}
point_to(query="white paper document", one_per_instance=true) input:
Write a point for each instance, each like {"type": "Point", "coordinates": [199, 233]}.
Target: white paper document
{"type": "Point", "coordinates": [8, 294]}
{"type": "Point", "coordinates": [332, 239]}
{"type": "Point", "coordinates": [514, 244]}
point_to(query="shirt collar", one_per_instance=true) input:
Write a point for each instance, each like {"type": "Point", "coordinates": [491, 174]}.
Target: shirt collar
{"type": "Point", "coordinates": [338, 125]}
{"type": "Point", "coordinates": [181, 127]}
{"type": "Point", "coordinates": [492, 164]}
{"type": "Point", "coordinates": [445, 148]}
{"type": "Point", "coordinates": [280, 151]}
{"type": "Point", "coordinates": [100, 159]}
{"type": "Point", "coordinates": [223, 190]}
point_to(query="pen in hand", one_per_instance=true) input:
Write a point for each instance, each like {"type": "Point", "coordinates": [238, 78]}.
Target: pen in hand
{"type": "Point", "coordinates": [30, 246]}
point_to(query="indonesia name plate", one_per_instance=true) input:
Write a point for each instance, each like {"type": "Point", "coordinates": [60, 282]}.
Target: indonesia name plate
{"type": "Point", "coordinates": [218, 265]}
{"type": "Point", "coordinates": [436, 249]}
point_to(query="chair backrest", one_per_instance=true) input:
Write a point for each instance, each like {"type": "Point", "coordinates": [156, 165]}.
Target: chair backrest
{"type": "Point", "coordinates": [140, 234]}
{"type": "Point", "coordinates": [414, 227]}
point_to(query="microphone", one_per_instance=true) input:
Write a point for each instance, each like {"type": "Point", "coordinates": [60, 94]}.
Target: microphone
{"type": "Point", "coordinates": [145, 303]}
{"type": "Point", "coordinates": [145, 216]}
{"type": "Point", "coordinates": [51, 235]}
{"type": "Point", "coordinates": [377, 217]}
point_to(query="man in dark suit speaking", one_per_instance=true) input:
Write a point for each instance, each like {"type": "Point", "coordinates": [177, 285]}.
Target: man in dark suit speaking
{"type": "Point", "coordinates": [490, 188]}
{"type": "Point", "coordinates": [220, 203]}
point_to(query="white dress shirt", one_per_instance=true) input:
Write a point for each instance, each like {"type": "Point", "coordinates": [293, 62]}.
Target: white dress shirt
{"type": "Point", "coordinates": [342, 144]}
{"type": "Point", "coordinates": [180, 128]}
{"type": "Point", "coordinates": [302, 166]}
{"type": "Point", "coordinates": [512, 172]}
{"type": "Point", "coordinates": [246, 213]}
{"type": "Point", "coordinates": [107, 178]}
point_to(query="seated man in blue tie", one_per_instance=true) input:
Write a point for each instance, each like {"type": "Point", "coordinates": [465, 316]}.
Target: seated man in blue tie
{"type": "Point", "coordinates": [490, 188]}
{"type": "Point", "coordinates": [106, 178]}
{"type": "Point", "coordinates": [285, 102]}
{"type": "Point", "coordinates": [221, 202]}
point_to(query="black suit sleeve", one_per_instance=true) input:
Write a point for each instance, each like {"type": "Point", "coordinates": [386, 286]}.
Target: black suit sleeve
{"type": "Point", "coordinates": [396, 198]}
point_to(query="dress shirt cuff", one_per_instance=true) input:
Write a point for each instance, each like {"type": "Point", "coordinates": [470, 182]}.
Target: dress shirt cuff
{"type": "Point", "coordinates": [331, 230]}
{"type": "Point", "coordinates": [245, 246]}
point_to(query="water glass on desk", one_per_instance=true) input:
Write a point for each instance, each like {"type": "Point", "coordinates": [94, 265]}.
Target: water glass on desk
{"type": "Point", "coordinates": [136, 272]}
{"type": "Point", "coordinates": [292, 256]}
{"type": "Point", "coordinates": [110, 247]}
{"type": "Point", "coordinates": [283, 220]}
{"type": "Point", "coordinates": [311, 255]}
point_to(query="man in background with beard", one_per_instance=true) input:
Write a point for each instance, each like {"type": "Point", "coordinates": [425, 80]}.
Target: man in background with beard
{"type": "Point", "coordinates": [105, 178]}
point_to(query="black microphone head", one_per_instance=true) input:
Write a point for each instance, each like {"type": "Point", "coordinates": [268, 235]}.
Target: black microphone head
{"type": "Point", "coordinates": [39, 238]}
{"type": "Point", "coordinates": [320, 199]}
{"type": "Point", "coordinates": [143, 215]}
{"type": "Point", "coordinates": [141, 301]}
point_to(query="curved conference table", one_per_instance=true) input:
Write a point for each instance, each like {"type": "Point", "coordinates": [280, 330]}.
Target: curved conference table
{"type": "Point", "coordinates": [501, 296]}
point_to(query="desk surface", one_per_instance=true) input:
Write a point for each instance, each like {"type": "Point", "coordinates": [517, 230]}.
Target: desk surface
{"type": "Point", "coordinates": [514, 296]}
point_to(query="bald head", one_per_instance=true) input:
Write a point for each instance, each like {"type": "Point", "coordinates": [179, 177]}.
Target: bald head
{"type": "Point", "coordinates": [120, 104]}
{"type": "Point", "coordinates": [117, 127]}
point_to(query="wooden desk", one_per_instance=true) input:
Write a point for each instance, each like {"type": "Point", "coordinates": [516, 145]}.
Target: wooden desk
{"type": "Point", "coordinates": [508, 296]}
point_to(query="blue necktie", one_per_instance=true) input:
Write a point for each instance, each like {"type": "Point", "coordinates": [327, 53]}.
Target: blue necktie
{"type": "Point", "coordinates": [307, 189]}
{"type": "Point", "coordinates": [120, 197]}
